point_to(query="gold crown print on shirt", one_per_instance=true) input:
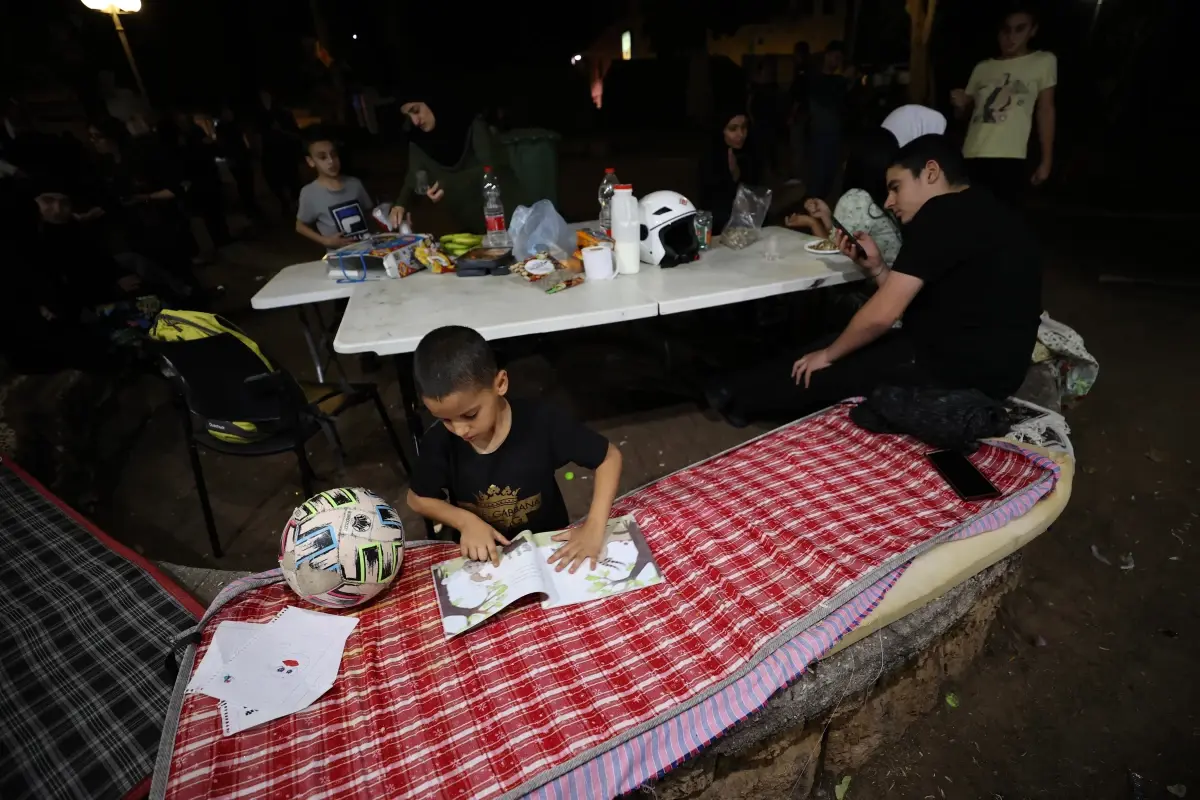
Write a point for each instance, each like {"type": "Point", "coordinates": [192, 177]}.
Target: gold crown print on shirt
{"type": "Point", "coordinates": [503, 509]}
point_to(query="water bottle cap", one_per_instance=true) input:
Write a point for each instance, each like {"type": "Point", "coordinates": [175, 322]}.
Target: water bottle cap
{"type": "Point", "coordinates": [609, 171]}
{"type": "Point", "coordinates": [487, 169]}
{"type": "Point", "coordinates": [623, 187]}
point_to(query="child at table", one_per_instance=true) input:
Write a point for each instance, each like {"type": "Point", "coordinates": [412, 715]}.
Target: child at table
{"type": "Point", "coordinates": [488, 469]}
{"type": "Point", "coordinates": [334, 208]}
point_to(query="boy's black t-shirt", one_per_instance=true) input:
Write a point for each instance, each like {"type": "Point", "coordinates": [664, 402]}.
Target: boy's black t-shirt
{"type": "Point", "coordinates": [974, 322]}
{"type": "Point", "coordinates": [513, 488]}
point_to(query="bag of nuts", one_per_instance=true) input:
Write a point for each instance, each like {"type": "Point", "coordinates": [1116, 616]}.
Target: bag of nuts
{"type": "Point", "coordinates": [750, 205]}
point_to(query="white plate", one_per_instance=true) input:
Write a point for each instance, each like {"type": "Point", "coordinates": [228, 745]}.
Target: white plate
{"type": "Point", "coordinates": [812, 248]}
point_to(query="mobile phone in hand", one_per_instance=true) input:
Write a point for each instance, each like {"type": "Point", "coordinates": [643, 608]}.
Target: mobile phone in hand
{"type": "Point", "coordinates": [837, 226]}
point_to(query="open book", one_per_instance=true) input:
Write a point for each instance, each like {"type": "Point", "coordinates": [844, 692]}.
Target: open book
{"type": "Point", "coordinates": [471, 592]}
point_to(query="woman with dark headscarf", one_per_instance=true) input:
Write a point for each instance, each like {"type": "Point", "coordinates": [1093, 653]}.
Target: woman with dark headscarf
{"type": "Point", "coordinates": [451, 146]}
{"type": "Point", "coordinates": [732, 159]}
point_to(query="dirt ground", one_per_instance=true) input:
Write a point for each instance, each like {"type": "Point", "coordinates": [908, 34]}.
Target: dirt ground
{"type": "Point", "coordinates": [1090, 672]}
{"type": "Point", "coordinates": [1086, 676]}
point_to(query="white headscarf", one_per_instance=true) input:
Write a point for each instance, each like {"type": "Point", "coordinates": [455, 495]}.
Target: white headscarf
{"type": "Point", "coordinates": [908, 122]}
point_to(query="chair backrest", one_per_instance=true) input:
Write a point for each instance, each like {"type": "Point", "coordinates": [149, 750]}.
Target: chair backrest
{"type": "Point", "coordinates": [221, 378]}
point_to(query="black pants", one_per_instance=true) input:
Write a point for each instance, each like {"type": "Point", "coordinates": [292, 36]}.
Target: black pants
{"type": "Point", "coordinates": [243, 176]}
{"type": "Point", "coordinates": [767, 392]}
{"type": "Point", "coordinates": [1007, 178]}
{"type": "Point", "coordinates": [281, 177]}
{"type": "Point", "coordinates": [208, 201]}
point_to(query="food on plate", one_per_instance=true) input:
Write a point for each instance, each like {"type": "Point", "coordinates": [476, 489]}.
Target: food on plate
{"type": "Point", "coordinates": [823, 246]}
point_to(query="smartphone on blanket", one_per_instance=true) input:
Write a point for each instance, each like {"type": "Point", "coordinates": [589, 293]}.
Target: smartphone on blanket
{"type": "Point", "coordinates": [837, 226]}
{"type": "Point", "coordinates": [957, 470]}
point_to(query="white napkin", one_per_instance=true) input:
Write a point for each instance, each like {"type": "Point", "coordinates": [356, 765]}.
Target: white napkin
{"type": "Point", "coordinates": [263, 672]}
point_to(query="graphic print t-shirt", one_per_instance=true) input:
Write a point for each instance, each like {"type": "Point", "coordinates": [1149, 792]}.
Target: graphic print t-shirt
{"type": "Point", "coordinates": [1005, 92]}
{"type": "Point", "coordinates": [334, 211]}
{"type": "Point", "coordinates": [513, 488]}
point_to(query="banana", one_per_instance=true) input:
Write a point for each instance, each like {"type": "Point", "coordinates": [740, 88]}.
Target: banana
{"type": "Point", "coordinates": [472, 239]}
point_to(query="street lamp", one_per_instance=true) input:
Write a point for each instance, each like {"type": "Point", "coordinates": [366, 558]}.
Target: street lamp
{"type": "Point", "coordinates": [115, 8]}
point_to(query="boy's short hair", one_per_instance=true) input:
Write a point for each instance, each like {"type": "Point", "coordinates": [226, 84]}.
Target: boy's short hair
{"type": "Point", "coordinates": [453, 359]}
{"type": "Point", "coordinates": [933, 147]}
{"type": "Point", "coordinates": [315, 133]}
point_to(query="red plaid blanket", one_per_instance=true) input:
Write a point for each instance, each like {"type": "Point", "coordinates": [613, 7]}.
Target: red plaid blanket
{"type": "Point", "coordinates": [756, 545]}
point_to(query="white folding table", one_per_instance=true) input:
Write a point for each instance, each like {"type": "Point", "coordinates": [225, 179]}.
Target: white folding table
{"type": "Point", "coordinates": [724, 277]}
{"type": "Point", "coordinates": [390, 317]}
{"type": "Point", "coordinates": [304, 287]}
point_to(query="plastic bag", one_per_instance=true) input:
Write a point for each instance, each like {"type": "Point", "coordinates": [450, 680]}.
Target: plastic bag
{"type": "Point", "coordinates": [750, 205]}
{"type": "Point", "coordinates": [540, 229]}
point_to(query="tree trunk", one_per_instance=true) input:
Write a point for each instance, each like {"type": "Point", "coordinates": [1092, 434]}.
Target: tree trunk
{"type": "Point", "coordinates": [920, 71]}
{"type": "Point", "coordinates": [335, 69]}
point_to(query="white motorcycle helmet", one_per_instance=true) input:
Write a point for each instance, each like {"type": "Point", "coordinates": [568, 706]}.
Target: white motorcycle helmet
{"type": "Point", "coordinates": [668, 229]}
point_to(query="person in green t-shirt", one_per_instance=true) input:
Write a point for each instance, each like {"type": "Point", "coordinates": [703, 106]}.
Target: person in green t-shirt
{"type": "Point", "coordinates": [1003, 98]}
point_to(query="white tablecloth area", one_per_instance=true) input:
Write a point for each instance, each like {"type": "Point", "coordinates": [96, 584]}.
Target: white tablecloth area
{"type": "Point", "coordinates": [390, 317]}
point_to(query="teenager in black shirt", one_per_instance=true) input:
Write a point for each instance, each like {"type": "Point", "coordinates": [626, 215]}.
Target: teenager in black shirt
{"type": "Point", "coordinates": [488, 470]}
{"type": "Point", "coordinates": [967, 283]}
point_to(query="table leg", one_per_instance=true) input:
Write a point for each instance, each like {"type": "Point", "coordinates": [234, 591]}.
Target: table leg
{"type": "Point", "coordinates": [311, 341]}
{"type": "Point", "coordinates": [319, 338]}
{"type": "Point", "coordinates": [412, 412]}
{"type": "Point", "coordinates": [409, 398]}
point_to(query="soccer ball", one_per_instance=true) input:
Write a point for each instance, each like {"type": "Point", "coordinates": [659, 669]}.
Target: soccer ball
{"type": "Point", "coordinates": [342, 547]}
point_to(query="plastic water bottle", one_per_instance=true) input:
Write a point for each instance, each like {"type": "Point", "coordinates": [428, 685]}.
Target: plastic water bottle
{"type": "Point", "coordinates": [605, 196]}
{"type": "Point", "coordinates": [493, 211]}
{"type": "Point", "coordinates": [626, 229]}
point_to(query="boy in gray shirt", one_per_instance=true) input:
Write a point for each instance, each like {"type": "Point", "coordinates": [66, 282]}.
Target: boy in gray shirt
{"type": "Point", "coordinates": [334, 208]}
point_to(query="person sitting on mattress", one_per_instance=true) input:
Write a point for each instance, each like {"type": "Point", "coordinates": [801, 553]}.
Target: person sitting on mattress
{"type": "Point", "coordinates": [967, 281]}
{"type": "Point", "coordinates": [487, 470]}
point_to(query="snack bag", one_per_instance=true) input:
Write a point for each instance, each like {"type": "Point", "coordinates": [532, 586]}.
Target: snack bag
{"type": "Point", "coordinates": [395, 252]}
{"type": "Point", "coordinates": [429, 254]}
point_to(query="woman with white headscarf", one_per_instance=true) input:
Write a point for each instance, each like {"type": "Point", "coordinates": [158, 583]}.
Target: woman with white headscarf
{"type": "Point", "coordinates": [908, 122]}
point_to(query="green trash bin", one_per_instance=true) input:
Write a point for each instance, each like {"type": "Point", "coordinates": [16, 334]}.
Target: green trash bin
{"type": "Point", "coordinates": [533, 154]}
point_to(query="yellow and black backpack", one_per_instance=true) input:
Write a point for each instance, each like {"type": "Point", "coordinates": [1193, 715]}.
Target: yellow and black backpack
{"type": "Point", "coordinates": [179, 326]}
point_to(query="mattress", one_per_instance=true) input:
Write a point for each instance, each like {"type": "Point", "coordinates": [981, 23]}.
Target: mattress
{"type": "Point", "coordinates": [937, 571]}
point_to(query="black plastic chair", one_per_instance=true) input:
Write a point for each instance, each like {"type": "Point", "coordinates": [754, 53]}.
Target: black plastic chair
{"type": "Point", "coordinates": [219, 378]}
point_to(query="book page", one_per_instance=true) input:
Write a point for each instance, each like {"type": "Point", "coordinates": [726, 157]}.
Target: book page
{"type": "Point", "coordinates": [470, 592]}
{"type": "Point", "coordinates": [626, 565]}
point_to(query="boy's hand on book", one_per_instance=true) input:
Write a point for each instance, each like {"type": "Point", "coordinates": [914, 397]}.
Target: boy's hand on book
{"type": "Point", "coordinates": [478, 541]}
{"type": "Point", "coordinates": [585, 543]}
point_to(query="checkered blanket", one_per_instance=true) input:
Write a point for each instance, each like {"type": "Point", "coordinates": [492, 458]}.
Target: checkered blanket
{"type": "Point", "coordinates": [84, 634]}
{"type": "Point", "coordinates": [770, 552]}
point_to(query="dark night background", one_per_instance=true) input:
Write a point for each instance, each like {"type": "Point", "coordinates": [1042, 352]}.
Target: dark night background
{"type": "Point", "coordinates": [1124, 70]}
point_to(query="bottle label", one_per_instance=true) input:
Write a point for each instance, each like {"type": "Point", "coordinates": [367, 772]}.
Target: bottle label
{"type": "Point", "coordinates": [495, 223]}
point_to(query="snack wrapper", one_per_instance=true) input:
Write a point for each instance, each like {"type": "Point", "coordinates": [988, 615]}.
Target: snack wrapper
{"type": "Point", "coordinates": [395, 252]}
{"type": "Point", "coordinates": [548, 273]}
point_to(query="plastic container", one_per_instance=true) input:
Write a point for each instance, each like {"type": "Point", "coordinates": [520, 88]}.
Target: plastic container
{"type": "Point", "coordinates": [493, 211]}
{"type": "Point", "coordinates": [605, 197]}
{"type": "Point", "coordinates": [533, 157]}
{"type": "Point", "coordinates": [626, 230]}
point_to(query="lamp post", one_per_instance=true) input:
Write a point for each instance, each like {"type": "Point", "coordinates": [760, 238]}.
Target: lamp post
{"type": "Point", "coordinates": [115, 8]}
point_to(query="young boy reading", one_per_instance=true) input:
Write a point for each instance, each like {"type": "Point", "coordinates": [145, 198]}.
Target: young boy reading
{"type": "Point", "coordinates": [334, 208]}
{"type": "Point", "coordinates": [488, 469]}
